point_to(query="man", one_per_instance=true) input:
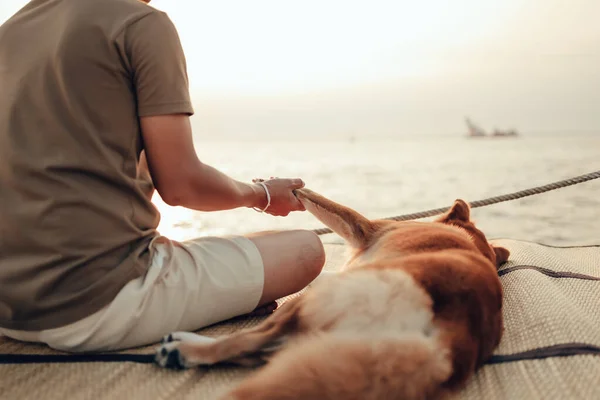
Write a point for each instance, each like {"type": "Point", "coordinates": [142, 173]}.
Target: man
{"type": "Point", "coordinates": [88, 88]}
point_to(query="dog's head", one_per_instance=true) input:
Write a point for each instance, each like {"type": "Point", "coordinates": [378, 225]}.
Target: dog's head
{"type": "Point", "coordinates": [460, 215]}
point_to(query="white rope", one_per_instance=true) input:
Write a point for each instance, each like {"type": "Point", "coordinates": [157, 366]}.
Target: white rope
{"type": "Point", "coordinates": [491, 200]}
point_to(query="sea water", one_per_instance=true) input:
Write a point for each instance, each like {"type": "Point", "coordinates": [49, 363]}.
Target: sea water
{"type": "Point", "coordinates": [383, 177]}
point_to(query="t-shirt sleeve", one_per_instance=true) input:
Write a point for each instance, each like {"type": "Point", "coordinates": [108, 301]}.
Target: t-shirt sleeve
{"type": "Point", "coordinates": [158, 66]}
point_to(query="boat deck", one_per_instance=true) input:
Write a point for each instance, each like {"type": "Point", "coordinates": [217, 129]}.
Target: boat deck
{"type": "Point", "coordinates": [550, 349]}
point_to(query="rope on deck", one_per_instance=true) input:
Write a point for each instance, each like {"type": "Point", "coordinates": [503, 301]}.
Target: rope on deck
{"type": "Point", "coordinates": [490, 200]}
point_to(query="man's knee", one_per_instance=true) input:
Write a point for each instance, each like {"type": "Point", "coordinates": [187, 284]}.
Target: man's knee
{"type": "Point", "coordinates": [311, 256]}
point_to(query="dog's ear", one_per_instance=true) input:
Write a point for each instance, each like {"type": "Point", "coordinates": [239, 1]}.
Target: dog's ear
{"type": "Point", "coordinates": [502, 255]}
{"type": "Point", "coordinates": [460, 211]}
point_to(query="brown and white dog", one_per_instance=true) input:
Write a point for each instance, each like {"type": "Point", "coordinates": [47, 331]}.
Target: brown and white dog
{"type": "Point", "coordinates": [415, 311]}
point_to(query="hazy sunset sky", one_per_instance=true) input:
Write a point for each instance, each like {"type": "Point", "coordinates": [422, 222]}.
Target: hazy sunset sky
{"type": "Point", "coordinates": [388, 67]}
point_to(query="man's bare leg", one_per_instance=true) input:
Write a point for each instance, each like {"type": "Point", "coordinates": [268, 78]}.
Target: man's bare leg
{"type": "Point", "coordinates": [292, 260]}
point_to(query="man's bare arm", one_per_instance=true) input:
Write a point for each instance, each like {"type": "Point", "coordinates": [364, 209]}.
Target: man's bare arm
{"type": "Point", "coordinates": [182, 179]}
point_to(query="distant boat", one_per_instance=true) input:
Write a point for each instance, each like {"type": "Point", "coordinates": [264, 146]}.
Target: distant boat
{"type": "Point", "coordinates": [476, 131]}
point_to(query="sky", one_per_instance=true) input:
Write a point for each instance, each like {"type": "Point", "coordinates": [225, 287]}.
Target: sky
{"type": "Point", "coordinates": [277, 68]}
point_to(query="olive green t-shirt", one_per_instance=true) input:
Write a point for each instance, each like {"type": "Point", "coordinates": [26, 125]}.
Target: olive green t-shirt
{"type": "Point", "coordinates": [75, 217]}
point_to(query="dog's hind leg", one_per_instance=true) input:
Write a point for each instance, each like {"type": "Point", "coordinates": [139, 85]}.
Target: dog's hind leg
{"type": "Point", "coordinates": [349, 224]}
{"type": "Point", "coordinates": [247, 347]}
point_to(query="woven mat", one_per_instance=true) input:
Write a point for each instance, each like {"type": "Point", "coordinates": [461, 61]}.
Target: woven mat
{"type": "Point", "coordinates": [552, 298]}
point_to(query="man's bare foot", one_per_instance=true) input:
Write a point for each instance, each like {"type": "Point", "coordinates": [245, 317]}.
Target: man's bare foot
{"type": "Point", "coordinates": [263, 310]}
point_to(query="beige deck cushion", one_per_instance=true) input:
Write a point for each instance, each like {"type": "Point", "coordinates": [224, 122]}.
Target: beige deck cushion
{"type": "Point", "coordinates": [552, 297]}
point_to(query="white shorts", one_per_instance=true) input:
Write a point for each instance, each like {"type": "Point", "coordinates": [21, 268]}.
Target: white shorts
{"type": "Point", "coordinates": [189, 285]}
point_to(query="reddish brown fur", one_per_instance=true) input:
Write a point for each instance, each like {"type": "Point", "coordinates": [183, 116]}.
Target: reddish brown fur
{"type": "Point", "coordinates": [453, 266]}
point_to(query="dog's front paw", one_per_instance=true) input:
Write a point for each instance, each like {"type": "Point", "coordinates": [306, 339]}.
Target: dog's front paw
{"type": "Point", "coordinates": [169, 356]}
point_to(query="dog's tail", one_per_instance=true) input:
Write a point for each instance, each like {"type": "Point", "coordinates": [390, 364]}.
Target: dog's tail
{"type": "Point", "coordinates": [349, 224]}
{"type": "Point", "coordinates": [330, 367]}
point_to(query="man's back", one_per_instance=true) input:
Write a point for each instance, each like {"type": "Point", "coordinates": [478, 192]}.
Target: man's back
{"type": "Point", "coordinates": [75, 221]}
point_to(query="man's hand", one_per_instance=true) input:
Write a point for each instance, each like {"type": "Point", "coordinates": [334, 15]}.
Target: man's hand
{"type": "Point", "coordinates": [283, 200]}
